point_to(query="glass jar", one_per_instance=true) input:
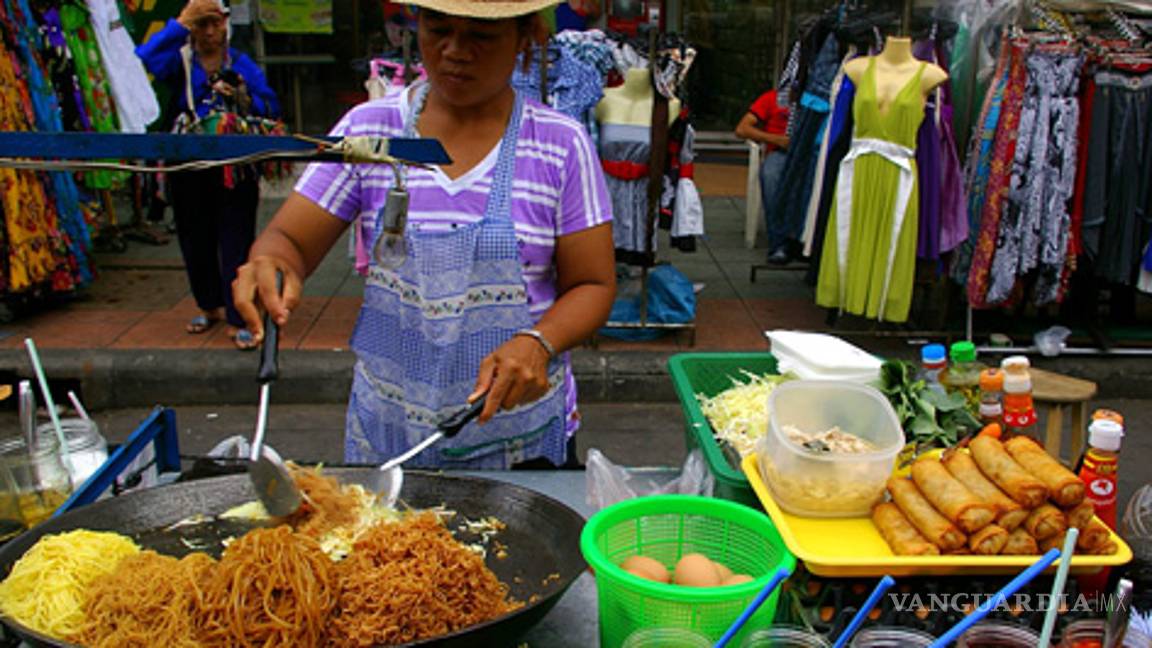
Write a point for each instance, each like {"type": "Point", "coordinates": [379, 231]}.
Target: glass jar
{"type": "Point", "coordinates": [885, 637]}
{"type": "Point", "coordinates": [11, 519]}
{"type": "Point", "coordinates": [785, 637]}
{"type": "Point", "coordinates": [666, 638]}
{"type": "Point", "coordinates": [998, 635]}
{"type": "Point", "coordinates": [1085, 633]}
{"type": "Point", "coordinates": [87, 449]}
{"type": "Point", "coordinates": [39, 478]}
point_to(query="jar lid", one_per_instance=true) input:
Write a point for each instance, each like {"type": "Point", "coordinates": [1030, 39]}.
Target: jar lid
{"type": "Point", "coordinates": [1105, 435]}
{"type": "Point", "coordinates": [932, 353]}
{"type": "Point", "coordinates": [1015, 363]}
{"type": "Point", "coordinates": [963, 352]}
{"type": "Point", "coordinates": [1109, 415]}
{"type": "Point", "coordinates": [992, 380]}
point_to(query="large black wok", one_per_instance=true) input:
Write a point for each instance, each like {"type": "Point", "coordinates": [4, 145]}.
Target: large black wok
{"type": "Point", "coordinates": [542, 536]}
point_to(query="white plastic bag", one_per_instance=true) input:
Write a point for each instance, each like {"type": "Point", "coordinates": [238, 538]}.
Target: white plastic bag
{"type": "Point", "coordinates": [608, 483]}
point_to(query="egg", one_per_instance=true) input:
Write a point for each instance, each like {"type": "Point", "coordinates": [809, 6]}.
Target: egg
{"type": "Point", "coordinates": [645, 567]}
{"type": "Point", "coordinates": [722, 571]}
{"type": "Point", "coordinates": [737, 579]}
{"type": "Point", "coordinates": [695, 570]}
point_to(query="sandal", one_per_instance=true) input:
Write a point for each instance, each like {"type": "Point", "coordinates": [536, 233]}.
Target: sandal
{"type": "Point", "coordinates": [200, 324]}
{"type": "Point", "coordinates": [244, 340]}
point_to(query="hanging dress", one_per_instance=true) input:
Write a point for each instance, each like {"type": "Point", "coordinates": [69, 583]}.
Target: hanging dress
{"type": "Point", "coordinates": [868, 262]}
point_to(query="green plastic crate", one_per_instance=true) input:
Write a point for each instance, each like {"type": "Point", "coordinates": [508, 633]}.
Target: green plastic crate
{"type": "Point", "coordinates": [709, 374]}
{"type": "Point", "coordinates": [664, 528]}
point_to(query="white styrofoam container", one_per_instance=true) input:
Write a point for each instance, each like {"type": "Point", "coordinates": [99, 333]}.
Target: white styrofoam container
{"type": "Point", "coordinates": [818, 356]}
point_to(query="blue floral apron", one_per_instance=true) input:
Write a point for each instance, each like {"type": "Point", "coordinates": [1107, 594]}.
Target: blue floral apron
{"type": "Point", "coordinates": [426, 326]}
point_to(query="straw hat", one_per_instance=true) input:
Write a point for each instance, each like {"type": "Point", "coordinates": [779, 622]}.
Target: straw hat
{"type": "Point", "coordinates": [491, 9]}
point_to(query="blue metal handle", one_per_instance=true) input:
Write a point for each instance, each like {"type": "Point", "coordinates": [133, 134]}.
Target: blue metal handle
{"type": "Point", "coordinates": [158, 429]}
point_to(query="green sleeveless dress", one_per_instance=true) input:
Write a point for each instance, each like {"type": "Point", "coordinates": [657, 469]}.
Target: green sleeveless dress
{"type": "Point", "coordinates": [869, 255]}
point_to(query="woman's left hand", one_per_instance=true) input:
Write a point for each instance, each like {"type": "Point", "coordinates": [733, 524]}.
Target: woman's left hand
{"type": "Point", "coordinates": [513, 374]}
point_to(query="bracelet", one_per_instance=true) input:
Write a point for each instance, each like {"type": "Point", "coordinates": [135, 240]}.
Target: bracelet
{"type": "Point", "coordinates": [539, 337]}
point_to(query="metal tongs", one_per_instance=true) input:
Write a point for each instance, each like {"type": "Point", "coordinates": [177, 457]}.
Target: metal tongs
{"type": "Point", "coordinates": [389, 479]}
{"type": "Point", "coordinates": [270, 477]}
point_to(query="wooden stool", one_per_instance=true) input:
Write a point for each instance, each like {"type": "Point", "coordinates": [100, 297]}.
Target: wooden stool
{"type": "Point", "coordinates": [1056, 392]}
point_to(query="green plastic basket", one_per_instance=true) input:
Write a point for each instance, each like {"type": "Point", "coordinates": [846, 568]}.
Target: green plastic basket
{"type": "Point", "coordinates": [665, 527]}
{"type": "Point", "coordinates": [709, 374]}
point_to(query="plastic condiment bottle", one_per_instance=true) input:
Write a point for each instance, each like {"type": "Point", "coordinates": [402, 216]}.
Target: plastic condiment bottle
{"type": "Point", "coordinates": [991, 396]}
{"type": "Point", "coordinates": [1099, 469]}
{"type": "Point", "coordinates": [964, 373]}
{"type": "Point", "coordinates": [1019, 413]}
{"type": "Point", "coordinates": [932, 364]}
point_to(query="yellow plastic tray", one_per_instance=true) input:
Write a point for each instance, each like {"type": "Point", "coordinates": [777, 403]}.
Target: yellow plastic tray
{"type": "Point", "coordinates": [853, 546]}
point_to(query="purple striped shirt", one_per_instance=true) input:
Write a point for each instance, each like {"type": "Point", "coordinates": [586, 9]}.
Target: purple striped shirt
{"type": "Point", "coordinates": [558, 187]}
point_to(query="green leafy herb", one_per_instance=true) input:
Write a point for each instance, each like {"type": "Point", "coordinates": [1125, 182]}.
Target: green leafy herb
{"type": "Point", "coordinates": [929, 417]}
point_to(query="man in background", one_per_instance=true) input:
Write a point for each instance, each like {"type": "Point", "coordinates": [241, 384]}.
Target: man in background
{"type": "Point", "coordinates": [766, 123]}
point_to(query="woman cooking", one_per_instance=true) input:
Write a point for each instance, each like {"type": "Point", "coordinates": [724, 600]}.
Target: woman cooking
{"type": "Point", "coordinates": [507, 262]}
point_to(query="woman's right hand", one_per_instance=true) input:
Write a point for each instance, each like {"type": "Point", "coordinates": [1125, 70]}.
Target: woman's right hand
{"type": "Point", "coordinates": [254, 290]}
{"type": "Point", "coordinates": [197, 9]}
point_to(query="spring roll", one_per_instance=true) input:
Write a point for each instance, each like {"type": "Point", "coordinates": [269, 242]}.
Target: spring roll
{"type": "Point", "coordinates": [950, 497]}
{"type": "Point", "coordinates": [1107, 548]}
{"type": "Point", "coordinates": [1002, 469]}
{"type": "Point", "coordinates": [1064, 488]}
{"type": "Point", "coordinates": [1020, 543]}
{"type": "Point", "coordinates": [1054, 542]}
{"type": "Point", "coordinates": [1093, 535]}
{"type": "Point", "coordinates": [1081, 515]}
{"type": "Point", "coordinates": [1045, 522]}
{"type": "Point", "coordinates": [988, 541]}
{"type": "Point", "coordinates": [935, 527]}
{"type": "Point", "coordinates": [898, 532]}
{"type": "Point", "coordinates": [1009, 514]}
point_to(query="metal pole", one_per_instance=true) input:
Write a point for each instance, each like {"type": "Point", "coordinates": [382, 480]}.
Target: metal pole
{"type": "Point", "coordinates": [258, 35]}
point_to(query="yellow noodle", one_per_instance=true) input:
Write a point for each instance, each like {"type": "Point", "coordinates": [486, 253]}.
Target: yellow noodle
{"type": "Point", "coordinates": [48, 585]}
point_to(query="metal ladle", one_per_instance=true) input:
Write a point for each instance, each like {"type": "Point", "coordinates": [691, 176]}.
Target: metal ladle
{"type": "Point", "coordinates": [389, 479]}
{"type": "Point", "coordinates": [270, 477]}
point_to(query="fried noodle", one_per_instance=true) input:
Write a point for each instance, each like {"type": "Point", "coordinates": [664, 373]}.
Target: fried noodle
{"type": "Point", "coordinates": [411, 580]}
{"type": "Point", "coordinates": [272, 587]}
{"type": "Point", "coordinates": [149, 600]}
{"type": "Point", "coordinates": [326, 504]}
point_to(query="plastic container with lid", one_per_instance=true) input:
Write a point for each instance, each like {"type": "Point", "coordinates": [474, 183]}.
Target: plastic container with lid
{"type": "Point", "coordinates": [994, 634]}
{"type": "Point", "coordinates": [87, 449]}
{"type": "Point", "coordinates": [890, 637]}
{"type": "Point", "coordinates": [817, 356]}
{"type": "Point", "coordinates": [785, 637]}
{"type": "Point", "coordinates": [932, 365]}
{"type": "Point", "coordinates": [991, 396]}
{"type": "Point", "coordinates": [39, 478]}
{"type": "Point", "coordinates": [964, 373]}
{"type": "Point", "coordinates": [828, 484]}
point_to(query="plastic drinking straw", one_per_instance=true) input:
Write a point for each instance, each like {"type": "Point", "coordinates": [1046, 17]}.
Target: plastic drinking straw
{"type": "Point", "coordinates": [858, 620]}
{"type": "Point", "coordinates": [48, 402]}
{"type": "Point", "coordinates": [78, 406]}
{"type": "Point", "coordinates": [987, 606]}
{"type": "Point", "coordinates": [1058, 586]}
{"type": "Point", "coordinates": [780, 575]}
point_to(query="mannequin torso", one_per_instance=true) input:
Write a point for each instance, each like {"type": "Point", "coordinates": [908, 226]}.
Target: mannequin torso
{"type": "Point", "coordinates": [895, 66]}
{"type": "Point", "coordinates": [631, 103]}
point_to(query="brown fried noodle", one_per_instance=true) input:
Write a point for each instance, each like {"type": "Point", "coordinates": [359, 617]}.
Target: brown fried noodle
{"type": "Point", "coordinates": [326, 505]}
{"type": "Point", "coordinates": [149, 600]}
{"type": "Point", "coordinates": [272, 587]}
{"type": "Point", "coordinates": [412, 580]}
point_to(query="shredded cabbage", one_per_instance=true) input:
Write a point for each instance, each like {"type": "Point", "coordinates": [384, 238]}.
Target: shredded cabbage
{"type": "Point", "coordinates": [739, 414]}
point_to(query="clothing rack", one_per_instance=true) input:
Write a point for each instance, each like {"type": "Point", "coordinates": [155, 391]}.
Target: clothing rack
{"type": "Point", "coordinates": [656, 164]}
{"type": "Point", "coordinates": [1052, 15]}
